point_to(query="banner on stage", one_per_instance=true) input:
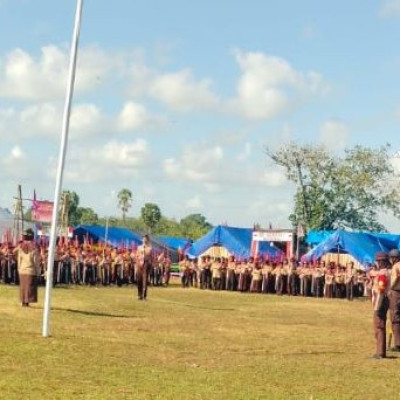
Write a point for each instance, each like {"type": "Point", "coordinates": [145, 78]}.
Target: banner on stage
{"type": "Point", "coordinates": [273, 236]}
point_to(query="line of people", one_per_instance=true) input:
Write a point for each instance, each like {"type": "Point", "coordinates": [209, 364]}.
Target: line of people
{"type": "Point", "coordinates": [286, 277]}
{"type": "Point", "coordinates": [87, 265]}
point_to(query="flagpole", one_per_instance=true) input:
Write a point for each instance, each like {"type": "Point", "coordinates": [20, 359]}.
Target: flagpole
{"type": "Point", "coordinates": [60, 168]}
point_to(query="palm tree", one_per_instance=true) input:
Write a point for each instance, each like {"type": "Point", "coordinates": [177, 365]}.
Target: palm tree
{"type": "Point", "coordinates": [124, 201]}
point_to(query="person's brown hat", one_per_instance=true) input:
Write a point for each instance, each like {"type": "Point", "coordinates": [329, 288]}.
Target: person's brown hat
{"type": "Point", "coordinates": [28, 234]}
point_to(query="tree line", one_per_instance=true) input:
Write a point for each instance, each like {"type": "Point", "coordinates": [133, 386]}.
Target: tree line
{"type": "Point", "coordinates": [151, 219]}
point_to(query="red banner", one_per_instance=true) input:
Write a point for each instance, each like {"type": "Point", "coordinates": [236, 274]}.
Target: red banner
{"type": "Point", "coordinates": [42, 211]}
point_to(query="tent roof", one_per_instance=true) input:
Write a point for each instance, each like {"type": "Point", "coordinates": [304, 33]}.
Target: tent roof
{"type": "Point", "coordinates": [174, 242]}
{"type": "Point", "coordinates": [236, 240]}
{"type": "Point", "coordinates": [115, 236]}
{"type": "Point", "coordinates": [362, 246]}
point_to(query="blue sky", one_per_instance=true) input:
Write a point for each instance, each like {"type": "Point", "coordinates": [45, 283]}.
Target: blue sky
{"type": "Point", "coordinates": [176, 100]}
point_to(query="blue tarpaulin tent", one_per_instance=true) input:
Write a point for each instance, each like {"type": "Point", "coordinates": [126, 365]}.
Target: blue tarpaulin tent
{"type": "Point", "coordinates": [315, 237]}
{"type": "Point", "coordinates": [117, 237]}
{"type": "Point", "coordinates": [236, 240]}
{"type": "Point", "coordinates": [360, 245]}
{"type": "Point", "coordinates": [175, 243]}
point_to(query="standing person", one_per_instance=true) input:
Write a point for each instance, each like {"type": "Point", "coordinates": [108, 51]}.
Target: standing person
{"type": "Point", "coordinates": [380, 303]}
{"type": "Point", "coordinates": [144, 262]}
{"type": "Point", "coordinates": [216, 274]}
{"type": "Point", "coordinates": [394, 257]}
{"type": "Point", "coordinates": [28, 259]}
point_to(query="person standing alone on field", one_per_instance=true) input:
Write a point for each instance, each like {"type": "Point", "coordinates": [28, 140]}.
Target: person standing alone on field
{"type": "Point", "coordinates": [28, 260]}
{"type": "Point", "coordinates": [394, 257]}
{"type": "Point", "coordinates": [144, 262]}
{"type": "Point", "coordinates": [380, 303]}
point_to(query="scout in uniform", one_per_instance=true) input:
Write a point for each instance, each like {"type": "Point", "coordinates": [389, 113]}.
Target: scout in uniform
{"type": "Point", "coordinates": [216, 274]}
{"type": "Point", "coordinates": [144, 256]}
{"type": "Point", "coordinates": [230, 272]}
{"type": "Point", "coordinates": [380, 303]}
{"type": "Point", "coordinates": [256, 279]}
{"type": "Point", "coordinates": [394, 257]}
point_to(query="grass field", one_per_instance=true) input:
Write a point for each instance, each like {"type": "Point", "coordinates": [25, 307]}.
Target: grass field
{"type": "Point", "coordinates": [190, 344]}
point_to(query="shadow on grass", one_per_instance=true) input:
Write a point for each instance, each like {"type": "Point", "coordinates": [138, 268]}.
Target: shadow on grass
{"type": "Point", "coordinates": [94, 313]}
{"type": "Point", "coordinates": [194, 306]}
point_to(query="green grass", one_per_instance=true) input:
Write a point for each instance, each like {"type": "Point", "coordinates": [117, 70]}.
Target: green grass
{"type": "Point", "coordinates": [190, 344]}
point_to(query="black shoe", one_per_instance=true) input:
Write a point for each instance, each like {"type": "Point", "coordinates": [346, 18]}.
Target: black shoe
{"type": "Point", "coordinates": [395, 349]}
{"type": "Point", "coordinates": [25, 304]}
{"type": "Point", "coordinates": [140, 298]}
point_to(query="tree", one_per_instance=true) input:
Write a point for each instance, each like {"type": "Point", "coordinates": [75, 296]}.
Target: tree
{"type": "Point", "coordinates": [87, 216]}
{"type": "Point", "coordinates": [194, 226]}
{"type": "Point", "coordinates": [124, 201]}
{"type": "Point", "coordinates": [347, 191]}
{"type": "Point", "coordinates": [73, 204]}
{"type": "Point", "coordinates": [151, 215]}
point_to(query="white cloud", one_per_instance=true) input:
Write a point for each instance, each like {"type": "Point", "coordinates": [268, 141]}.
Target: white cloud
{"type": "Point", "coordinates": [111, 161]}
{"type": "Point", "coordinates": [194, 202]}
{"type": "Point", "coordinates": [209, 167]}
{"type": "Point", "coordinates": [134, 116]}
{"type": "Point", "coordinates": [44, 120]}
{"type": "Point", "coordinates": [390, 8]}
{"type": "Point", "coordinates": [269, 85]}
{"type": "Point", "coordinates": [334, 135]}
{"type": "Point", "coordinates": [245, 154]}
{"type": "Point", "coordinates": [198, 163]}
{"type": "Point", "coordinates": [22, 76]}
{"type": "Point", "coordinates": [16, 154]}
{"type": "Point", "coordinates": [273, 177]}
{"type": "Point", "coordinates": [180, 91]}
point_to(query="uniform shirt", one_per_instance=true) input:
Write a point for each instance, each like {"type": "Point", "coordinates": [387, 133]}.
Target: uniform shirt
{"type": "Point", "coordinates": [216, 270]}
{"type": "Point", "coordinates": [395, 277]}
{"type": "Point", "coordinates": [144, 253]}
{"type": "Point", "coordinates": [28, 261]}
{"type": "Point", "coordinates": [375, 287]}
{"type": "Point", "coordinates": [256, 274]}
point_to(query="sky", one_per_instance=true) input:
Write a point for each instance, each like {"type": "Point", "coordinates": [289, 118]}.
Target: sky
{"type": "Point", "coordinates": [177, 100]}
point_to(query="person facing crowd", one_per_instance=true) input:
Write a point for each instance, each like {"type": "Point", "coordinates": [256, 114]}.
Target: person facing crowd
{"type": "Point", "coordinates": [28, 268]}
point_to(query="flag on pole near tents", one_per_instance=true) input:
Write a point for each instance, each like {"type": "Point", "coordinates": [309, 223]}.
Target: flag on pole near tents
{"type": "Point", "coordinates": [300, 231]}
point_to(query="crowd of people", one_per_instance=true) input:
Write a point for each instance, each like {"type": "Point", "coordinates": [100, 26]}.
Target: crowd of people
{"type": "Point", "coordinates": [257, 275]}
{"type": "Point", "coordinates": [92, 265]}
{"type": "Point", "coordinates": [86, 265]}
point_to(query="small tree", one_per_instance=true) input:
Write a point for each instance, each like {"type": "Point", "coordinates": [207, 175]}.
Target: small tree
{"type": "Point", "coordinates": [151, 215]}
{"type": "Point", "coordinates": [124, 201]}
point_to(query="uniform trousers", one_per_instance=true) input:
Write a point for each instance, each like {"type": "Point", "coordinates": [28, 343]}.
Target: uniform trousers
{"type": "Point", "coordinates": [395, 315]}
{"type": "Point", "coordinates": [379, 321]}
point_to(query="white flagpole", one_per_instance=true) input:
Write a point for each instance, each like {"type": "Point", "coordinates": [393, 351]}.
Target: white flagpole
{"type": "Point", "coordinates": [60, 168]}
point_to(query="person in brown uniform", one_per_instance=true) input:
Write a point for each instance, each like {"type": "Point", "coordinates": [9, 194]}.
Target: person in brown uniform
{"type": "Point", "coordinates": [28, 259]}
{"type": "Point", "coordinates": [329, 277]}
{"type": "Point", "coordinates": [349, 281]}
{"type": "Point", "coordinates": [216, 274]}
{"type": "Point", "coordinates": [144, 261]}
{"type": "Point", "coordinates": [231, 278]}
{"type": "Point", "coordinates": [256, 279]}
{"type": "Point", "coordinates": [380, 303]}
{"type": "Point", "coordinates": [394, 297]}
